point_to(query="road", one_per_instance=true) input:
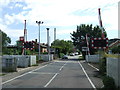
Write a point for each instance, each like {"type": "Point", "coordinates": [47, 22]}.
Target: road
{"type": "Point", "coordinates": [58, 74]}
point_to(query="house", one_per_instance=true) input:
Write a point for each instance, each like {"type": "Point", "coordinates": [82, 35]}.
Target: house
{"type": "Point", "coordinates": [116, 43]}
{"type": "Point", "coordinates": [43, 46]}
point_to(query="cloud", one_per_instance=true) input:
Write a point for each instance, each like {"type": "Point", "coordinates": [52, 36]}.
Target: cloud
{"type": "Point", "coordinates": [9, 19]}
{"type": "Point", "coordinates": [64, 31]}
{"type": "Point", "coordinates": [110, 18]}
{"type": "Point", "coordinates": [58, 12]}
{"type": "Point", "coordinates": [14, 34]}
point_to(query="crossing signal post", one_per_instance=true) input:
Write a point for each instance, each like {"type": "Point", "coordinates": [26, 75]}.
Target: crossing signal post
{"type": "Point", "coordinates": [99, 43]}
{"type": "Point", "coordinates": [28, 45]}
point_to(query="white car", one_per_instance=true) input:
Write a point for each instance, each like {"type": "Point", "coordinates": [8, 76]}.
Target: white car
{"type": "Point", "coordinates": [65, 57]}
{"type": "Point", "coordinates": [72, 54]}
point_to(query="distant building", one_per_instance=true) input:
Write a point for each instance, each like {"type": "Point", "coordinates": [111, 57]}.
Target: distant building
{"type": "Point", "coordinates": [14, 48]}
{"type": "Point", "coordinates": [43, 46]}
{"type": "Point", "coordinates": [114, 42]}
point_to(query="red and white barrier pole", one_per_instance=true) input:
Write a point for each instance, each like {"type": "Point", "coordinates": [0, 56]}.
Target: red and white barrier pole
{"type": "Point", "coordinates": [100, 21]}
{"type": "Point", "coordinates": [87, 44]}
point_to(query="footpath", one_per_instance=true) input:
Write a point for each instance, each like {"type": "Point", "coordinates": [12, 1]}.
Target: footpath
{"type": "Point", "coordinates": [93, 72]}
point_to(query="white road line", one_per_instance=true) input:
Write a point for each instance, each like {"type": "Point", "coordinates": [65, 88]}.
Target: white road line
{"type": "Point", "coordinates": [87, 76]}
{"type": "Point", "coordinates": [40, 73]}
{"type": "Point", "coordinates": [22, 75]}
{"type": "Point", "coordinates": [55, 75]}
{"type": "Point", "coordinates": [62, 66]}
{"type": "Point", "coordinates": [51, 80]}
{"type": "Point", "coordinates": [93, 67]}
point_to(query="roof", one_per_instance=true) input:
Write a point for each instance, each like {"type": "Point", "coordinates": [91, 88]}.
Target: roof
{"type": "Point", "coordinates": [116, 43]}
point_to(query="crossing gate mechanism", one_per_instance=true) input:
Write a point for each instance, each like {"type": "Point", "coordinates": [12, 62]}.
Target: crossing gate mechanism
{"type": "Point", "coordinates": [99, 43]}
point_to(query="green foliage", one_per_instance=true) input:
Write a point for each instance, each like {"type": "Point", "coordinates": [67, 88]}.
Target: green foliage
{"type": "Point", "coordinates": [102, 66]}
{"type": "Point", "coordinates": [5, 41]}
{"type": "Point", "coordinates": [45, 53]}
{"type": "Point", "coordinates": [79, 36]}
{"type": "Point", "coordinates": [61, 55]}
{"type": "Point", "coordinates": [9, 69]}
{"type": "Point", "coordinates": [116, 49]}
{"type": "Point", "coordinates": [12, 52]}
{"type": "Point", "coordinates": [63, 46]}
{"type": "Point", "coordinates": [19, 46]}
{"type": "Point", "coordinates": [35, 65]}
{"type": "Point", "coordinates": [109, 83]}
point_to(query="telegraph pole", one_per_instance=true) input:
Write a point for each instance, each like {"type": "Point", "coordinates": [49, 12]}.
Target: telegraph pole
{"type": "Point", "coordinates": [48, 42]}
{"type": "Point", "coordinates": [39, 22]}
{"type": "Point", "coordinates": [54, 34]}
{"type": "Point", "coordinates": [25, 37]}
{"type": "Point", "coordinates": [54, 39]}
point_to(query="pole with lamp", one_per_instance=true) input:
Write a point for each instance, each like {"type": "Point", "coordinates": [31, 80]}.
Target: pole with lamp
{"type": "Point", "coordinates": [39, 22]}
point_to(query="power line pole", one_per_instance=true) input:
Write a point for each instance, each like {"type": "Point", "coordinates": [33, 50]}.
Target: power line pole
{"type": "Point", "coordinates": [48, 42]}
{"type": "Point", "coordinates": [39, 22]}
{"type": "Point", "coordinates": [54, 39]}
{"type": "Point", "coordinates": [25, 37]}
{"type": "Point", "coordinates": [54, 34]}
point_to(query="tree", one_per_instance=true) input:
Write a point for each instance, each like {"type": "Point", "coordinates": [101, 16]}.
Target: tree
{"type": "Point", "coordinates": [19, 45]}
{"type": "Point", "coordinates": [63, 46]}
{"type": "Point", "coordinates": [5, 41]}
{"type": "Point", "coordinates": [79, 36]}
{"type": "Point", "coordinates": [116, 50]}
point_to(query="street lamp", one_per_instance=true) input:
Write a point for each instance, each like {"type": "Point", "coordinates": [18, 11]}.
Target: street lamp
{"type": "Point", "coordinates": [48, 43]}
{"type": "Point", "coordinates": [39, 22]}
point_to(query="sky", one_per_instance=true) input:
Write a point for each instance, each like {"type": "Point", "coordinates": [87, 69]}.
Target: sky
{"type": "Point", "coordinates": [64, 15]}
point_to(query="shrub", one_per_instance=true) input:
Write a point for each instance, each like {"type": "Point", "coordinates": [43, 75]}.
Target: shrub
{"type": "Point", "coordinates": [61, 55]}
{"type": "Point", "coordinates": [8, 69]}
{"type": "Point", "coordinates": [35, 65]}
{"type": "Point", "coordinates": [45, 53]}
{"type": "Point", "coordinates": [102, 66]}
{"type": "Point", "coordinates": [116, 49]}
{"type": "Point", "coordinates": [109, 83]}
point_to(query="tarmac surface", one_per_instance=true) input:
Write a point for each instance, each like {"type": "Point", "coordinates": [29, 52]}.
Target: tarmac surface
{"type": "Point", "coordinates": [71, 73]}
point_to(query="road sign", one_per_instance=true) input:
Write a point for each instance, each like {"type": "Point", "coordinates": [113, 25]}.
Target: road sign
{"type": "Point", "coordinates": [99, 43]}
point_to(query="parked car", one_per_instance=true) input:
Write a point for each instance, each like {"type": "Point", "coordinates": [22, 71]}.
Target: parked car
{"type": "Point", "coordinates": [65, 57]}
{"type": "Point", "coordinates": [72, 54]}
{"type": "Point", "coordinates": [76, 53]}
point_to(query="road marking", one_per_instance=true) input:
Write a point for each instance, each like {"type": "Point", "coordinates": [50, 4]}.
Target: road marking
{"type": "Point", "coordinates": [51, 80]}
{"type": "Point", "coordinates": [24, 69]}
{"type": "Point", "coordinates": [87, 76]}
{"type": "Point", "coordinates": [23, 75]}
{"type": "Point", "coordinates": [62, 66]}
{"type": "Point", "coordinates": [93, 67]}
{"type": "Point", "coordinates": [55, 75]}
{"type": "Point", "coordinates": [40, 73]}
